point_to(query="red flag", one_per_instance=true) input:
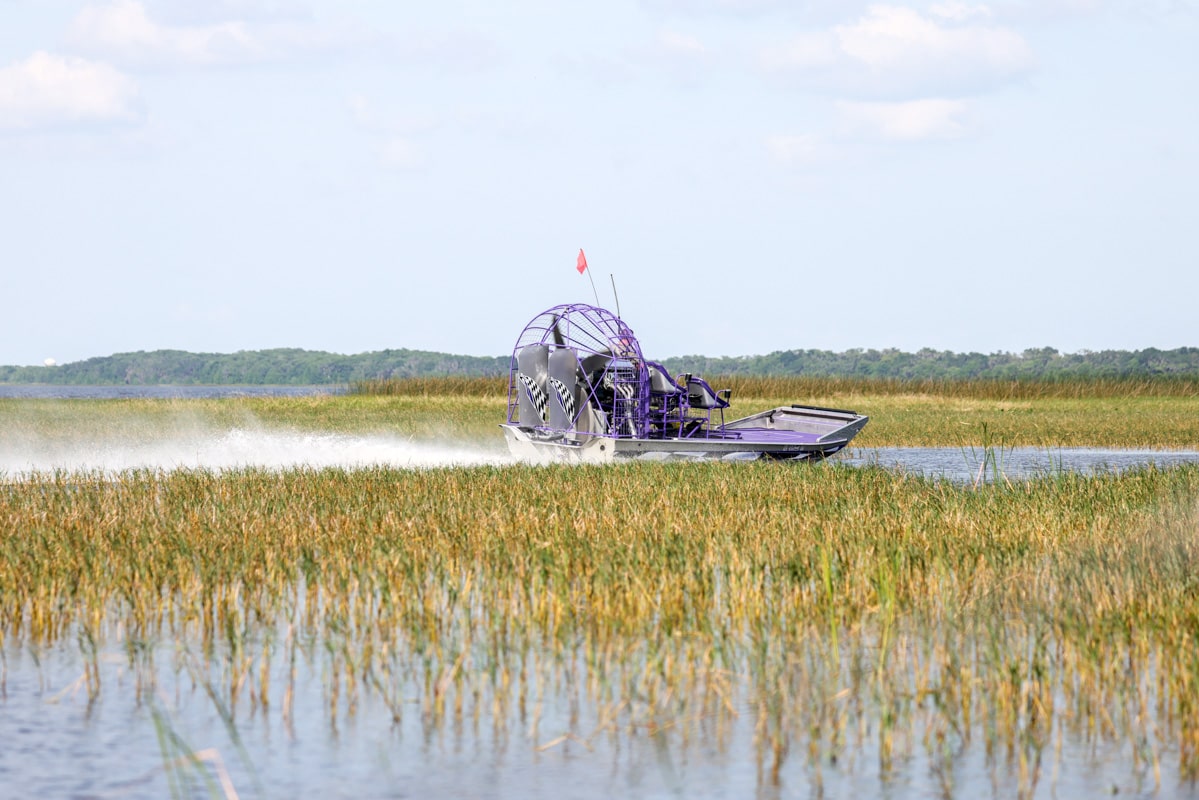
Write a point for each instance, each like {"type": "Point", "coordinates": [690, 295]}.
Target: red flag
{"type": "Point", "coordinates": [581, 266]}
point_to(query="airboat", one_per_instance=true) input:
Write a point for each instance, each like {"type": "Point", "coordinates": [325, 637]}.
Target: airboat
{"type": "Point", "coordinates": [580, 389]}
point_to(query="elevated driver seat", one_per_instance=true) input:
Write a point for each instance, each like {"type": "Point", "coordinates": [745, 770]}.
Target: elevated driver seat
{"type": "Point", "coordinates": [701, 396]}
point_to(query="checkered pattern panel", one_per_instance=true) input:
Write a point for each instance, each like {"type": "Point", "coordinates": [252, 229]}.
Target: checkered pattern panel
{"type": "Point", "coordinates": [535, 393]}
{"type": "Point", "coordinates": [565, 397]}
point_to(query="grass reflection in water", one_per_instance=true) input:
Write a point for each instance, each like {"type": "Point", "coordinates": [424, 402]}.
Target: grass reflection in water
{"type": "Point", "coordinates": [855, 620]}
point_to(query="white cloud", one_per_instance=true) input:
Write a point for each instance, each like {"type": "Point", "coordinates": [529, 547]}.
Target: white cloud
{"type": "Point", "coordinates": [47, 90]}
{"type": "Point", "coordinates": [123, 31]}
{"type": "Point", "coordinates": [894, 51]}
{"type": "Point", "coordinates": [915, 120]}
{"type": "Point", "coordinates": [893, 37]}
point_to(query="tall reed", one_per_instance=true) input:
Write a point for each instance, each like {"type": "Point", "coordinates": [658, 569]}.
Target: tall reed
{"type": "Point", "coordinates": [980, 389]}
{"type": "Point", "coordinates": [839, 613]}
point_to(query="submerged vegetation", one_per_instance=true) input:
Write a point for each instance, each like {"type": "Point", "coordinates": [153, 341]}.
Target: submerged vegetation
{"type": "Point", "coordinates": [855, 620]}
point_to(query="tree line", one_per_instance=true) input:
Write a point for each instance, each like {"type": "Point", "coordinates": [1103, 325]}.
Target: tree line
{"type": "Point", "coordinates": [1044, 363]}
{"type": "Point", "coordinates": [284, 367]}
{"type": "Point", "coordinates": [304, 367]}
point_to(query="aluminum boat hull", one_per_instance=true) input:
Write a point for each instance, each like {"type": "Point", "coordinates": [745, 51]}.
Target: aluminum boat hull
{"type": "Point", "coordinates": [787, 432]}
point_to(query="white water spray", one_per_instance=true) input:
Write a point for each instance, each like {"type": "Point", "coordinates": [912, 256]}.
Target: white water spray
{"type": "Point", "coordinates": [240, 447]}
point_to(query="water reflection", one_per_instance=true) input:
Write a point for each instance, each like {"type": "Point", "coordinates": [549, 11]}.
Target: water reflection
{"type": "Point", "coordinates": [972, 464]}
{"type": "Point", "coordinates": [131, 742]}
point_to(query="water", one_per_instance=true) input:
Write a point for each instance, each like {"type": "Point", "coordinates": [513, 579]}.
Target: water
{"type": "Point", "coordinates": [200, 447]}
{"type": "Point", "coordinates": [112, 749]}
{"type": "Point", "coordinates": [129, 743]}
{"type": "Point", "coordinates": [967, 465]}
{"type": "Point", "coordinates": [48, 391]}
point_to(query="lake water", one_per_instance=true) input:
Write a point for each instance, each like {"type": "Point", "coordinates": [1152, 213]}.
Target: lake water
{"type": "Point", "coordinates": [47, 391]}
{"type": "Point", "coordinates": [970, 465]}
{"type": "Point", "coordinates": [204, 448]}
{"type": "Point", "coordinates": [130, 743]}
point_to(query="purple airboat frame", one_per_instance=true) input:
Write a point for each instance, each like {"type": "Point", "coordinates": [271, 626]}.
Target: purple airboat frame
{"type": "Point", "coordinates": [580, 389]}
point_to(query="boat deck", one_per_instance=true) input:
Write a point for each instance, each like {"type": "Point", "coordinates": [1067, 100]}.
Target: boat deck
{"type": "Point", "coordinates": [759, 435]}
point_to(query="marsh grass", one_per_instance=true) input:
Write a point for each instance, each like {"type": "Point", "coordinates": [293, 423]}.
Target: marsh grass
{"type": "Point", "coordinates": [31, 424]}
{"type": "Point", "coordinates": [1149, 417]}
{"type": "Point", "coordinates": [491, 387]}
{"type": "Point", "coordinates": [1123, 413]}
{"type": "Point", "coordinates": [975, 389]}
{"type": "Point", "coordinates": [854, 619]}
{"type": "Point", "coordinates": [184, 767]}
{"type": "Point", "coordinates": [765, 386]}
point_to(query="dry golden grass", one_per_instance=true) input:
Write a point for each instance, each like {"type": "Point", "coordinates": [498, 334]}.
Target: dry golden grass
{"type": "Point", "coordinates": [835, 610]}
{"type": "Point", "coordinates": [1159, 413]}
{"type": "Point", "coordinates": [1002, 390]}
{"type": "Point", "coordinates": [757, 387]}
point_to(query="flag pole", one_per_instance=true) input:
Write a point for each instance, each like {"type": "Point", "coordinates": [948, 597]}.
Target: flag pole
{"type": "Point", "coordinates": [593, 291]}
{"type": "Point", "coordinates": [614, 295]}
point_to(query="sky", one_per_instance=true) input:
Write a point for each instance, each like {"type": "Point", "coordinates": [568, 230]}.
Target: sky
{"type": "Point", "coordinates": [755, 175]}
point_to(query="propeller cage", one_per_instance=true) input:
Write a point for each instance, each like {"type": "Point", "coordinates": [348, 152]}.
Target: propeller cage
{"type": "Point", "coordinates": [578, 370]}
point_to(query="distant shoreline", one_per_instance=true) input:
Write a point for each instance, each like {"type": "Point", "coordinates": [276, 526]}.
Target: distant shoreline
{"type": "Point", "coordinates": [51, 391]}
{"type": "Point", "coordinates": [295, 367]}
